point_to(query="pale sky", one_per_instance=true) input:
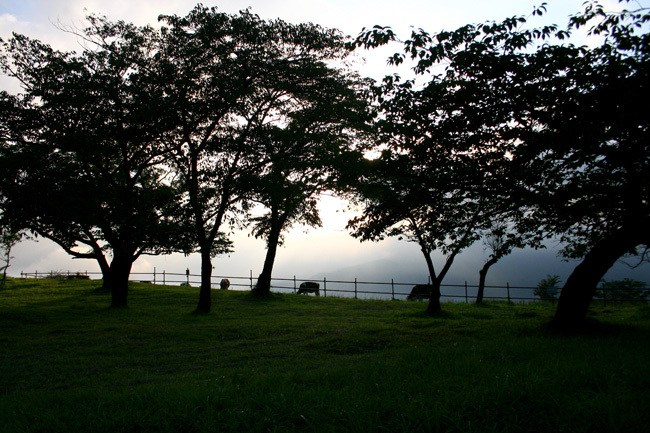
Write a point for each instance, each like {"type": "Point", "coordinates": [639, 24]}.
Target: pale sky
{"type": "Point", "coordinates": [328, 251]}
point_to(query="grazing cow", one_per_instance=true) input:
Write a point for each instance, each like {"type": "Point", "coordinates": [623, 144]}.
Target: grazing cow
{"type": "Point", "coordinates": [419, 292]}
{"type": "Point", "coordinates": [224, 284]}
{"type": "Point", "coordinates": [309, 287]}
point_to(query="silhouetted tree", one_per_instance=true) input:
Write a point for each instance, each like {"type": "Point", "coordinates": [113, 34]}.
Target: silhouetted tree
{"type": "Point", "coordinates": [232, 77]}
{"type": "Point", "coordinates": [591, 149]}
{"type": "Point", "coordinates": [500, 238]}
{"type": "Point", "coordinates": [564, 129]}
{"type": "Point", "coordinates": [306, 156]}
{"type": "Point", "coordinates": [8, 239]}
{"type": "Point", "coordinates": [496, 241]}
{"type": "Point", "coordinates": [84, 148]}
{"type": "Point", "coordinates": [441, 184]}
{"type": "Point", "coordinates": [404, 196]}
{"type": "Point", "coordinates": [40, 193]}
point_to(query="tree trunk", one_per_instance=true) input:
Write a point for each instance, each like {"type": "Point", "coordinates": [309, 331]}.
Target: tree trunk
{"type": "Point", "coordinates": [434, 308]}
{"type": "Point", "coordinates": [481, 278]}
{"type": "Point", "coordinates": [263, 286]}
{"type": "Point", "coordinates": [106, 272]}
{"type": "Point", "coordinates": [205, 292]}
{"type": "Point", "coordinates": [118, 278]}
{"type": "Point", "coordinates": [581, 285]}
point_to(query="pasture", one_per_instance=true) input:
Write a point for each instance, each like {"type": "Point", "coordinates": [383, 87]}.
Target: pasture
{"type": "Point", "coordinates": [310, 364]}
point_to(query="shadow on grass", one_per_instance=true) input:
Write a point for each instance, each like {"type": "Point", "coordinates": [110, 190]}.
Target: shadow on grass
{"type": "Point", "coordinates": [253, 296]}
{"type": "Point", "coordinates": [589, 327]}
{"type": "Point", "coordinates": [642, 313]}
{"type": "Point", "coordinates": [423, 315]}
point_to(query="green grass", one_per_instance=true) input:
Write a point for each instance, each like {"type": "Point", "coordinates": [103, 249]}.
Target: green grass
{"type": "Point", "coordinates": [297, 363]}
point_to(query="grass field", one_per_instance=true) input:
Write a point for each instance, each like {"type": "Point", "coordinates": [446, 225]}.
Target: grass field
{"type": "Point", "coordinates": [298, 363]}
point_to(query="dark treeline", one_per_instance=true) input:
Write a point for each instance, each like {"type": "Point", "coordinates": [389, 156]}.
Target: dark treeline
{"type": "Point", "coordinates": [153, 141]}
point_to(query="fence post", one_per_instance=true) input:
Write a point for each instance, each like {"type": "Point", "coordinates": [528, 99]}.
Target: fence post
{"type": "Point", "coordinates": [508, 287]}
{"type": "Point", "coordinates": [466, 298]}
{"type": "Point", "coordinates": [154, 275]}
{"type": "Point", "coordinates": [324, 287]}
{"type": "Point", "coordinates": [392, 288]}
{"type": "Point", "coordinates": [355, 287]}
{"type": "Point", "coordinates": [36, 274]}
{"type": "Point", "coordinates": [164, 279]}
{"type": "Point", "coordinates": [251, 279]}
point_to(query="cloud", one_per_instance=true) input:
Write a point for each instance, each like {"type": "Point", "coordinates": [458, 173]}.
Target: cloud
{"type": "Point", "coordinates": [7, 19]}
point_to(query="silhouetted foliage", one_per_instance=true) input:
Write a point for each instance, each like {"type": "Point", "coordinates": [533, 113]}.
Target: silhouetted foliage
{"type": "Point", "coordinates": [152, 141]}
{"type": "Point", "coordinates": [624, 290]}
{"type": "Point", "coordinates": [447, 142]}
{"type": "Point", "coordinates": [8, 239]}
{"type": "Point", "coordinates": [83, 148]}
{"type": "Point", "coordinates": [557, 133]}
{"type": "Point", "coordinates": [586, 155]}
{"type": "Point", "coordinates": [243, 88]}
{"type": "Point", "coordinates": [414, 199]}
{"type": "Point", "coordinates": [547, 289]}
{"type": "Point", "coordinates": [305, 157]}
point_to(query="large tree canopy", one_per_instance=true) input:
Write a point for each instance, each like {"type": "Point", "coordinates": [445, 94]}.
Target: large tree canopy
{"type": "Point", "coordinates": [440, 180]}
{"type": "Point", "coordinates": [83, 147]}
{"type": "Point", "coordinates": [561, 130]}
{"type": "Point", "coordinates": [587, 158]}
{"type": "Point", "coordinates": [308, 155]}
{"type": "Point", "coordinates": [237, 83]}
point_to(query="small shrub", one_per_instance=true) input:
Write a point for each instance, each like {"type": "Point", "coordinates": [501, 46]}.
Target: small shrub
{"type": "Point", "coordinates": [626, 289]}
{"type": "Point", "coordinates": [544, 289]}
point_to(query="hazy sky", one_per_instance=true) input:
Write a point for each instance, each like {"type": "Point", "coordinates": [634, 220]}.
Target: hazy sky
{"type": "Point", "coordinates": [329, 250]}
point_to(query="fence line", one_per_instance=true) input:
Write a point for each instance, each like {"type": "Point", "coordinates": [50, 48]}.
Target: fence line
{"type": "Point", "coordinates": [341, 288]}
{"type": "Point", "coordinates": [338, 288]}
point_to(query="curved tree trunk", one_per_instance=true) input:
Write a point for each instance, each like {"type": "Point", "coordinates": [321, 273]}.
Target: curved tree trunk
{"type": "Point", "coordinates": [433, 308]}
{"type": "Point", "coordinates": [106, 272]}
{"type": "Point", "coordinates": [263, 286]}
{"type": "Point", "coordinates": [205, 292]}
{"type": "Point", "coordinates": [581, 285]}
{"type": "Point", "coordinates": [481, 278]}
{"type": "Point", "coordinates": [118, 280]}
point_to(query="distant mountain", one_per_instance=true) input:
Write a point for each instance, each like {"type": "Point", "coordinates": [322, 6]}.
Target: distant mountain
{"type": "Point", "coordinates": [382, 271]}
{"type": "Point", "coordinates": [522, 268]}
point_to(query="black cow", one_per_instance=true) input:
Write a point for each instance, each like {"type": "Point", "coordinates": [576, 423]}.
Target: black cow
{"type": "Point", "coordinates": [309, 287]}
{"type": "Point", "coordinates": [420, 292]}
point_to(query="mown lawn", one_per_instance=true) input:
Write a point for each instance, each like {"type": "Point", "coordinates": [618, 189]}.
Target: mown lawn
{"type": "Point", "coordinates": [298, 363]}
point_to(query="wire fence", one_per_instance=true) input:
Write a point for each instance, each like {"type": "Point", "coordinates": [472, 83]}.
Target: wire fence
{"type": "Point", "coordinates": [355, 289]}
